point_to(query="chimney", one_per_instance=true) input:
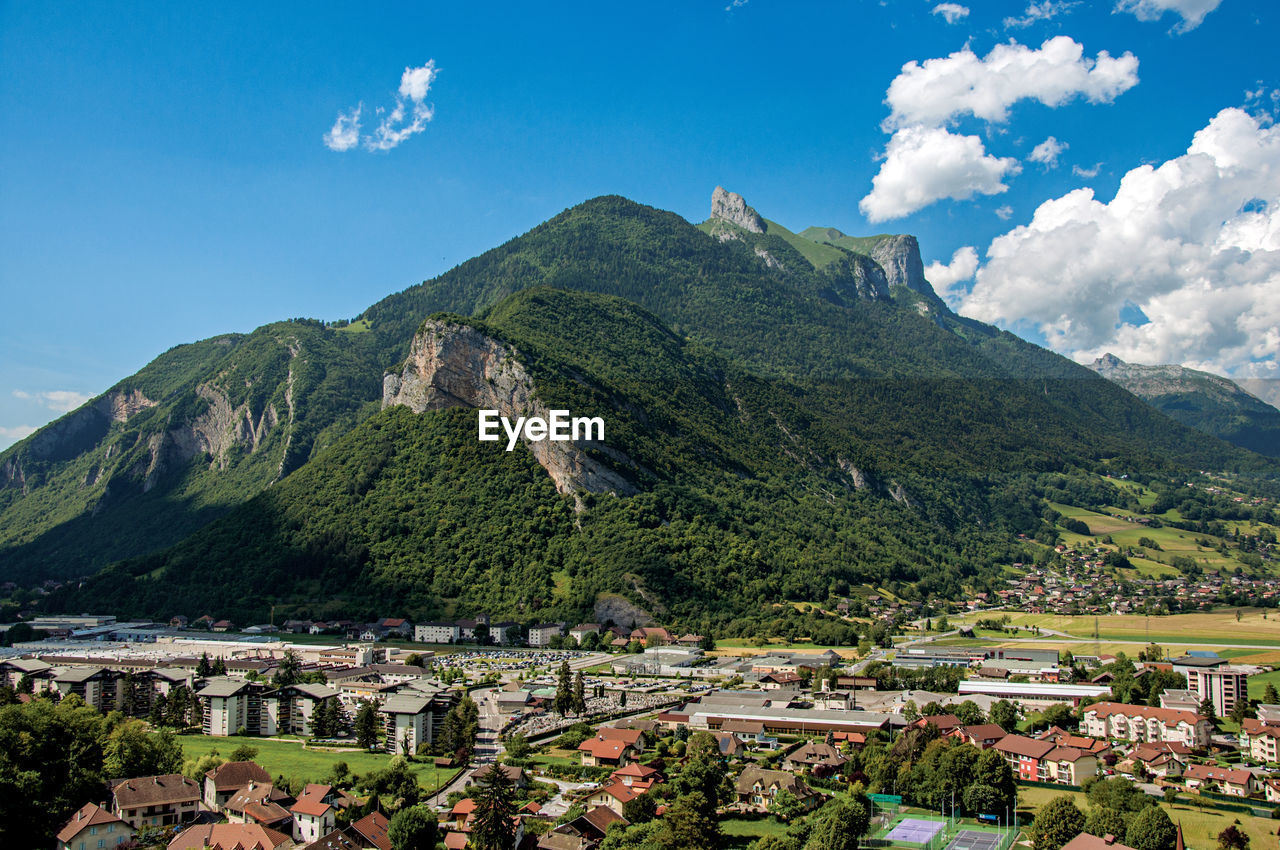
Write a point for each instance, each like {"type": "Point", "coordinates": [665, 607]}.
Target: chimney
{"type": "Point", "coordinates": [1108, 839]}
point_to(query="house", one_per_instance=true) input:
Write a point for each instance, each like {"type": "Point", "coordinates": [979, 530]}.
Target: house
{"type": "Point", "coordinates": [1085, 841]}
{"type": "Point", "coordinates": [601, 752]}
{"type": "Point", "coordinates": [288, 710]}
{"type": "Point", "coordinates": [231, 705]}
{"type": "Point", "coordinates": [690, 640]}
{"type": "Point", "coordinates": [626, 734]}
{"type": "Point", "coordinates": [614, 795]}
{"type": "Point", "coordinates": [1025, 755]}
{"type": "Point", "coordinates": [1068, 766]}
{"type": "Point", "coordinates": [225, 781]}
{"type": "Point", "coordinates": [313, 814]}
{"type": "Point", "coordinates": [461, 813]}
{"type": "Point", "coordinates": [335, 840]}
{"type": "Point", "coordinates": [750, 732]}
{"type": "Point", "coordinates": [1237, 782]}
{"type": "Point", "coordinates": [221, 626]}
{"type": "Point", "coordinates": [261, 803]}
{"type": "Point", "coordinates": [242, 836]}
{"type": "Point", "coordinates": [779, 680]}
{"type": "Point", "coordinates": [396, 626]}
{"type": "Point", "coordinates": [542, 633]}
{"type": "Point", "coordinates": [580, 631]}
{"type": "Point", "coordinates": [372, 831]}
{"type": "Point", "coordinates": [1167, 761]}
{"type": "Point", "coordinates": [1272, 789]}
{"type": "Point", "coordinates": [92, 827]}
{"type": "Point", "coordinates": [756, 787]}
{"type": "Point", "coordinates": [944, 722]}
{"type": "Point", "coordinates": [155, 800]}
{"type": "Point", "coordinates": [437, 632]}
{"type": "Point", "coordinates": [515, 775]}
{"type": "Point", "coordinates": [730, 745]}
{"type": "Point", "coordinates": [818, 757]}
{"type": "Point", "coordinates": [1146, 723]}
{"type": "Point", "coordinates": [504, 632]}
{"type": "Point", "coordinates": [637, 776]}
{"type": "Point", "coordinates": [653, 636]}
{"type": "Point", "coordinates": [984, 736]}
{"type": "Point", "coordinates": [582, 833]}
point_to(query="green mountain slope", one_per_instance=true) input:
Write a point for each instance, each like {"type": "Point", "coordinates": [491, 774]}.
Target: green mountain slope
{"type": "Point", "coordinates": [1204, 401]}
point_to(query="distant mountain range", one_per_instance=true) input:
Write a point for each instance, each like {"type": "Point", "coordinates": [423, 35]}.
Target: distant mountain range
{"type": "Point", "coordinates": [1205, 401]}
{"type": "Point", "coordinates": [788, 416]}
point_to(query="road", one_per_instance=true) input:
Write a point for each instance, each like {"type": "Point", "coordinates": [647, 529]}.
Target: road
{"type": "Point", "coordinates": [488, 746]}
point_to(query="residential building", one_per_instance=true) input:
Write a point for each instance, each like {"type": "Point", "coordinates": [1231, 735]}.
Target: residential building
{"type": "Point", "coordinates": [504, 633]}
{"type": "Point", "coordinates": [261, 803]}
{"type": "Point", "coordinates": [225, 781]}
{"type": "Point", "coordinates": [408, 720]}
{"type": "Point", "coordinates": [1146, 723]}
{"type": "Point", "coordinates": [231, 705]}
{"type": "Point", "coordinates": [1068, 766]}
{"type": "Point", "coordinates": [13, 669]}
{"type": "Point", "coordinates": [314, 814]}
{"type": "Point", "coordinates": [1085, 841]}
{"type": "Point", "coordinates": [818, 757]}
{"type": "Point", "coordinates": [582, 833]}
{"type": "Point", "coordinates": [93, 827]}
{"type": "Point", "coordinates": [756, 787]}
{"type": "Point", "coordinates": [606, 752]}
{"type": "Point", "coordinates": [155, 800]}
{"type": "Point", "coordinates": [242, 836]}
{"type": "Point", "coordinates": [1237, 782]}
{"type": "Point", "coordinates": [542, 633]}
{"type": "Point", "coordinates": [983, 735]}
{"type": "Point", "coordinates": [614, 795]}
{"type": "Point", "coordinates": [1026, 756]}
{"type": "Point", "coordinates": [288, 710]}
{"type": "Point", "coordinates": [581, 630]}
{"type": "Point", "coordinates": [1260, 740]}
{"type": "Point", "coordinates": [438, 632]}
{"type": "Point", "coordinates": [372, 830]}
{"type": "Point", "coordinates": [1215, 680]}
{"type": "Point", "coordinates": [97, 686]}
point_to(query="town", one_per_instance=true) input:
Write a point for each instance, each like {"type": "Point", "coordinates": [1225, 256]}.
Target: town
{"type": "Point", "coordinates": [548, 735]}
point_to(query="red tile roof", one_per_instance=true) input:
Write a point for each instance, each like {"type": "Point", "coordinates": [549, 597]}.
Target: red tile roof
{"type": "Point", "coordinates": [249, 836]}
{"type": "Point", "coordinates": [373, 827]}
{"type": "Point", "coordinates": [88, 815]}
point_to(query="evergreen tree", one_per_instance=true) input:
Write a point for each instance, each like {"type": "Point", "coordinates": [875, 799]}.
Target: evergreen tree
{"type": "Point", "coordinates": [690, 822]}
{"type": "Point", "coordinates": [1270, 696]}
{"type": "Point", "coordinates": [367, 726]}
{"type": "Point", "coordinates": [564, 691]}
{"type": "Point", "coordinates": [579, 698]}
{"type": "Point", "coordinates": [493, 827]}
{"type": "Point", "coordinates": [219, 666]}
{"type": "Point", "coordinates": [290, 670]}
{"type": "Point", "coordinates": [203, 667]}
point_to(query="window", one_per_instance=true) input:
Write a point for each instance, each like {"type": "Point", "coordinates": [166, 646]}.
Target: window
{"type": "Point", "coordinates": [102, 842]}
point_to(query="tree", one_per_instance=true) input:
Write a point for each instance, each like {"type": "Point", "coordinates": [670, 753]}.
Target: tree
{"type": "Point", "coordinates": [367, 726]}
{"type": "Point", "coordinates": [1269, 696]}
{"type": "Point", "coordinates": [969, 713]}
{"type": "Point", "coordinates": [413, 828]}
{"type": "Point", "coordinates": [1005, 715]}
{"type": "Point", "coordinates": [991, 770]}
{"type": "Point", "coordinates": [1233, 838]}
{"type": "Point", "coordinates": [1117, 793]}
{"type": "Point", "coordinates": [203, 667]}
{"type": "Point", "coordinates": [219, 666]}
{"type": "Point", "coordinates": [1208, 712]}
{"type": "Point", "coordinates": [1241, 710]}
{"type": "Point", "coordinates": [290, 670]}
{"type": "Point", "coordinates": [839, 825]}
{"type": "Point", "coordinates": [688, 824]}
{"type": "Point", "coordinates": [493, 828]}
{"type": "Point", "coordinates": [579, 699]}
{"type": "Point", "coordinates": [1151, 829]}
{"type": "Point", "coordinates": [1056, 823]}
{"type": "Point", "coordinates": [130, 751]}
{"type": "Point", "coordinates": [983, 800]}
{"type": "Point", "coordinates": [641, 809]}
{"type": "Point", "coordinates": [1103, 821]}
{"type": "Point", "coordinates": [517, 746]}
{"type": "Point", "coordinates": [197, 768]}
{"type": "Point", "coordinates": [244, 752]}
{"type": "Point", "coordinates": [395, 786]}
{"type": "Point", "coordinates": [564, 691]}
{"type": "Point", "coordinates": [773, 842]}
{"type": "Point", "coordinates": [708, 643]}
{"type": "Point", "coordinates": [785, 805]}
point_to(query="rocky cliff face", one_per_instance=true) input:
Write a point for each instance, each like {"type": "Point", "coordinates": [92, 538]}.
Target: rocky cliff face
{"type": "Point", "coordinates": [730, 207]}
{"type": "Point", "coordinates": [899, 256]}
{"type": "Point", "coordinates": [453, 365]}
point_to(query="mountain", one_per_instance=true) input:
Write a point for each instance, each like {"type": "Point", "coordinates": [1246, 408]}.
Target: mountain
{"type": "Point", "coordinates": [1202, 400]}
{"type": "Point", "coordinates": [782, 424]}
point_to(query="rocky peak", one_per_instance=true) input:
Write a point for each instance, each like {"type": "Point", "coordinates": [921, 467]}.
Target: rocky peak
{"type": "Point", "coordinates": [453, 365]}
{"type": "Point", "coordinates": [1107, 363]}
{"type": "Point", "coordinates": [899, 255]}
{"type": "Point", "coordinates": [730, 207]}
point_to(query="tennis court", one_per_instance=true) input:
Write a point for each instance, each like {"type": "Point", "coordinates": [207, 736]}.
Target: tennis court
{"type": "Point", "coordinates": [968, 839]}
{"type": "Point", "coordinates": [915, 831]}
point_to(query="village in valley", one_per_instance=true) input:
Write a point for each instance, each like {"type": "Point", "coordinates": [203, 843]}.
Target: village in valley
{"type": "Point", "coordinates": [981, 730]}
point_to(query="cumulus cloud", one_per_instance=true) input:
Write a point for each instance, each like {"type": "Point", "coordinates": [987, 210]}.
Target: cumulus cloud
{"type": "Point", "coordinates": [939, 90]}
{"type": "Point", "coordinates": [926, 164]}
{"type": "Point", "coordinates": [1194, 244]}
{"type": "Point", "coordinates": [407, 118]}
{"type": "Point", "coordinates": [964, 262]}
{"type": "Point", "coordinates": [61, 401]}
{"type": "Point", "coordinates": [1042, 11]}
{"type": "Point", "coordinates": [1004, 212]}
{"type": "Point", "coordinates": [1192, 12]}
{"type": "Point", "coordinates": [1087, 173]}
{"type": "Point", "coordinates": [1047, 152]}
{"type": "Point", "coordinates": [951, 12]}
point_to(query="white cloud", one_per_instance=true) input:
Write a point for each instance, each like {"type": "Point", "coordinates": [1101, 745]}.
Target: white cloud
{"type": "Point", "coordinates": [1191, 11]}
{"type": "Point", "coordinates": [1087, 173]}
{"type": "Point", "coordinates": [9, 436]}
{"type": "Point", "coordinates": [735, 4]}
{"type": "Point", "coordinates": [939, 90]}
{"type": "Point", "coordinates": [407, 118]}
{"type": "Point", "coordinates": [1047, 152]}
{"type": "Point", "coordinates": [1193, 243]}
{"type": "Point", "coordinates": [964, 262]}
{"type": "Point", "coordinates": [62, 401]}
{"type": "Point", "coordinates": [952, 12]}
{"type": "Point", "coordinates": [1004, 212]}
{"type": "Point", "coordinates": [926, 164]}
{"type": "Point", "coordinates": [1042, 11]}
{"type": "Point", "coordinates": [345, 132]}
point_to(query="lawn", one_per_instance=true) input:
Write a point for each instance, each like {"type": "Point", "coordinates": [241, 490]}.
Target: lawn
{"type": "Point", "coordinates": [1258, 683]}
{"type": "Point", "coordinates": [288, 757]}
{"type": "Point", "coordinates": [740, 832]}
{"type": "Point", "coordinates": [1200, 828]}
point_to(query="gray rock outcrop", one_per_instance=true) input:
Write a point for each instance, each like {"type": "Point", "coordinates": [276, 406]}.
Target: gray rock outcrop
{"type": "Point", "coordinates": [730, 207]}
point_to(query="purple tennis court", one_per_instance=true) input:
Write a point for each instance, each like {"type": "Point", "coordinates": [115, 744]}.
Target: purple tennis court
{"type": "Point", "coordinates": [915, 830]}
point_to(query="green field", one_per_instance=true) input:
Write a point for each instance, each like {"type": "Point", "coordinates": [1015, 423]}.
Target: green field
{"type": "Point", "coordinates": [1258, 683]}
{"type": "Point", "coordinates": [1258, 626]}
{"type": "Point", "coordinates": [741, 832]}
{"type": "Point", "coordinates": [1200, 828]}
{"type": "Point", "coordinates": [1172, 541]}
{"type": "Point", "coordinates": [290, 758]}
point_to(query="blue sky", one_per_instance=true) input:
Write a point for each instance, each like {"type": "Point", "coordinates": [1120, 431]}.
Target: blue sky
{"type": "Point", "coordinates": [164, 175]}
